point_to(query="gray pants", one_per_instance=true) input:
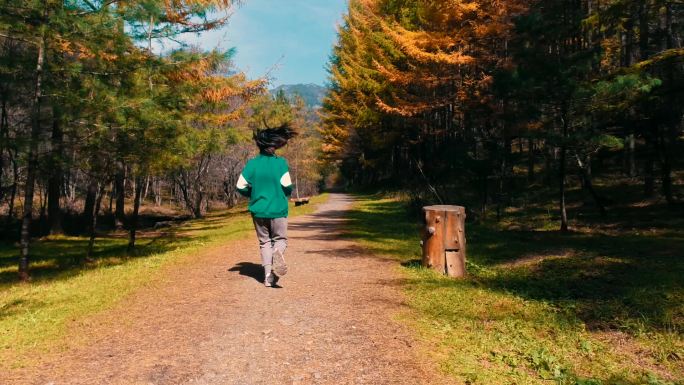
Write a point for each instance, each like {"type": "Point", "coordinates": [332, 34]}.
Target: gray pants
{"type": "Point", "coordinates": [272, 234]}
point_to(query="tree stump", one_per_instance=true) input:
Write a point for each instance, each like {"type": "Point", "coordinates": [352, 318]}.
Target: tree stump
{"type": "Point", "coordinates": [444, 241]}
{"type": "Point", "coordinates": [301, 201]}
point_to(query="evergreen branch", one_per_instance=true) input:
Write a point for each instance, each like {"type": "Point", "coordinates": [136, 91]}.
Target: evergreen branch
{"type": "Point", "coordinates": [18, 38]}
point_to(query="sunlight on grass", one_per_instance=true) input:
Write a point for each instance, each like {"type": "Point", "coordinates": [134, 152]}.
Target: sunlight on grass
{"type": "Point", "coordinates": [34, 316]}
{"type": "Point", "coordinates": [540, 307]}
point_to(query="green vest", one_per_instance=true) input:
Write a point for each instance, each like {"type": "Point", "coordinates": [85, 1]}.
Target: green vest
{"type": "Point", "coordinates": [265, 180]}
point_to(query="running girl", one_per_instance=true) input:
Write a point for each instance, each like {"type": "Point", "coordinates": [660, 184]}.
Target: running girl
{"type": "Point", "coordinates": [265, 180]}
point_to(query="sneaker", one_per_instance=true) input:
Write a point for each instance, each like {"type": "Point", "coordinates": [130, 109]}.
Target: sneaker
{"type": "Point", "coordinates": [279, 265]}
{"type": "Point", "coordinates": [268, 281]}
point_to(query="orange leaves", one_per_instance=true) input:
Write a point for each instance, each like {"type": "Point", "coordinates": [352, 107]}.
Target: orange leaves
{"type": "Point", "coordinates": [212, 96]}
{"type": "Point", "coordinates": [421, 47]}
{"type": "Point", "coordinates": [192, 72]}
{"type": "Point", "coordinates": [221, 4]}
{"type": "Point", "coordinates": [219, 94]}
{"type": "Point", "coordinates": [445, 56]}
{"type": "Point", "coordinates": [80, 51]}
{"type": "Point", "coordinates": [402, 63]}
{"type": "Point", "coordinates": [220, 89]}
{"type": "Point", "coordinates": [449, 12]}
{"type": "Point", "coordinates": [405, 110]}
{"type": "Point", "coordinates": [73, 48]}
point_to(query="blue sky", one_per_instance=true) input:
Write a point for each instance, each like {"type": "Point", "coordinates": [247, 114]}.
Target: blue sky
{"type": "Point", "coordinates": [290, 38]}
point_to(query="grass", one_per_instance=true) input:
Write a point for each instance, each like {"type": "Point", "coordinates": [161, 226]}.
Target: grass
{"type": "Point", "coordinates": [602, 305]}
{"type": "Point", "coordinates": [35, 316]}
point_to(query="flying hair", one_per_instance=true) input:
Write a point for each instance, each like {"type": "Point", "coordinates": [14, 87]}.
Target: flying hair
{"type": "Point", "coordinates": [270, 139]}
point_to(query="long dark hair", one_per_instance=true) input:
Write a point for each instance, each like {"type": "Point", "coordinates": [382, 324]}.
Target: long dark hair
{"type": "Point", "coordinates": [270, 139]}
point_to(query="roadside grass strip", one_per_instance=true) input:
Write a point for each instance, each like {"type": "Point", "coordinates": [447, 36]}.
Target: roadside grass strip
{"type": "Point", "coordinates": [34, 316]}
{"type": "Point", "coordinates": [539, 307]}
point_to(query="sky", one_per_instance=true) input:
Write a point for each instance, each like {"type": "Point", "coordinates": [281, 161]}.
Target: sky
{"type": "Point", "coordinates": [290, 40]}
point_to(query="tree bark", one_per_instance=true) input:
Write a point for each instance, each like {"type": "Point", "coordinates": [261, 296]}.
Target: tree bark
{"type": "Point", "coordinates": [15, 183]}
{"type": "Point", "coordinates": [530, 159]}
{"type": "Point", "coordinates": [649, 174]}
{"type": "Point", "coordinates": [443, 239]}
{"type": "Point", "coordinates": [91, 197]}
{"type": "Point", "coordinates": [666, 177]}
{"type": "Point", "coordinates": [666, 142]}
{"type": "Point", "coordinates": [3, 137]}
{"type": "Point", "coordinates": [484, 195]}
{"type": "Point", "coordinates": [133, 222]}
{"type": "Point", "coordinates": [31, 171]}
{"type": "Point", "coordinates": [120, 191]}
{"type": "Point", "coordinates": [588, 185]}
{"type": "Point", "coordinates": [157, 192]}
{"type": "Point", "coordinates": [110, 208]}
{"type": "Point", "coordinates": [92, 227]}
{"type": "Point", "coordinates": [56, 175]}
{"type": "Point", "coordinates": [550, 157]}
{"type": "Point", "coordinates": [197, 207]}
{"type": "Point", "coordinates": [643, 30]}
{"type": "Point", "coordinates": [561, 176]}
{"type": "Point", "coordinates": [147, 188]}
{"type": "Point", "coordinates": [631, 168]}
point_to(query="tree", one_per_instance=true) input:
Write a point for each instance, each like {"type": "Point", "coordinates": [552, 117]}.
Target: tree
{"type": "Point", "coordinates": [431, 96]}
{"type": "Point", "coordinates": [103, 95]}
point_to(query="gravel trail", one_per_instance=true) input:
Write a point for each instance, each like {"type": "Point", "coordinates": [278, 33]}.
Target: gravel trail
{"type": "Point", "coordinates": [213, 322]}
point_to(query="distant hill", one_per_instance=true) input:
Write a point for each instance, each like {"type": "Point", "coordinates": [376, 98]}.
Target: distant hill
{"type": "Point", "coordinates": [313, 94]}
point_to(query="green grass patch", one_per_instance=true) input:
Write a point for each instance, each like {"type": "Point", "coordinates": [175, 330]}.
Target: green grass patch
{"type": "Point", "coordinates": [35, 315]}
{"type": "Point", "coordinates": [541, 307]}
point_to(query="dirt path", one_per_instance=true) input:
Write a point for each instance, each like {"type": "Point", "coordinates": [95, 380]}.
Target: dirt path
{"type": "Point", "coordinates": [214, 323]}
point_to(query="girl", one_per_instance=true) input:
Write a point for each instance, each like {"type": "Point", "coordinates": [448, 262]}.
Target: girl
{"type": "Point", "coordinates": [265, 180]}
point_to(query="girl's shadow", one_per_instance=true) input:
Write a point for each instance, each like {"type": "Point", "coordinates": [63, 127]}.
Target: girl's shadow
{"type": "Point", "coordinates": [252, 270]}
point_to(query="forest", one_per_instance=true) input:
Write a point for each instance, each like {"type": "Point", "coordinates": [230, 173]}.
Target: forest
{"type": "Point", "coordinates": [559, 126]}
{"type": "Point", "coordinates": [127, 255]}
{"type": "Point", "coordinates": [484, 103]}
{"type": "Point", "coordinates": [97, 123]}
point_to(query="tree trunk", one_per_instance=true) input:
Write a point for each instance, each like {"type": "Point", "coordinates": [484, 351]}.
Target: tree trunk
{"type": "Point", "coordinates": [147, 188]}
{"type": "Point", "coordinates": [643, 30]}
{"type": "Point", "coordinates": [632, 151]}
{"type": "Point", "coordinates": [157, 192]}
{"type": "Point", "coordinates": [588, 185]}
{"type": "Point", "coordinates": [666, 177]}
{"type": "Point", "coordinates": [42, 198]}
{"type": "Point", "coordinates": [15, 183]}
{"type": "Point", "coordinates": [183, 182]}
{"type": "Point", "coordinates": [551, 152]}
{"type": "Point", "coordinates": [561, 176]}
{"type": "Point", "coordinates": [485, 195]}
{"type": "Point", "coordinates": [199, 198]}
{"type": "Point", "coordinates": [666, 164]}
{"type": "Point", "coordinates": [443, 239]}
{"type": "Point", "coordinates": [530, 160]}
{"type": "Point", "coordinates": [32, 164]}
{"type": "Point", "coordinates": [3, 137]}
{"type": "Point", "coordinates": [110, 208]}
{"type": "Point", "coordinates": [649, 174]}
{"type": "Point", "coordinates": [197, 207]}
{"type": "Point", "coordinates": [89, 205]}
{"type": "Point", "coordinates": [92, 227]}
{"type": "Point", "coordinates": [120, 191]}
{"type": "Point", "coordinates": [56, 175]}
{"type": "Point", "coordinates": [133, 222]}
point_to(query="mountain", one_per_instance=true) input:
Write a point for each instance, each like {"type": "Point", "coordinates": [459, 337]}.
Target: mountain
{"type": "Point", "coordinates": [313, 94]}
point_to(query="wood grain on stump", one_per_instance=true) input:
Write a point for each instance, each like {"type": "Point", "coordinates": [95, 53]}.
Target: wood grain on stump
{"type": "Point", "coordinates": [444, 243]}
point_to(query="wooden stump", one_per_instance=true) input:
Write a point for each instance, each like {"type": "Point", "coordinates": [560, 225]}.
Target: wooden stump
{"type": "Point", "coordinates": [444, 241]}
